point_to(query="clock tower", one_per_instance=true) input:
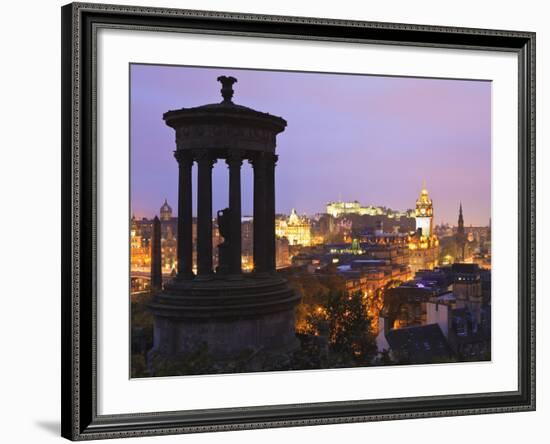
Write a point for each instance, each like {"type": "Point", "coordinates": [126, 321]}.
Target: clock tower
{"type": "Point", "coordinates": [424, 213]}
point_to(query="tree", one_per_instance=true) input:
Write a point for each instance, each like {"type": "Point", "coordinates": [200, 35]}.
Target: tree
{"type": "Point", "coordinates": [314, 290]}
{"type": "Point", "coordinates": [351, 341]}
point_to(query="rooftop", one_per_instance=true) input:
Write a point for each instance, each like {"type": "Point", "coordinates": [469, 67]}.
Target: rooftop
{"type": "Point", "coordinates": [420, 344]}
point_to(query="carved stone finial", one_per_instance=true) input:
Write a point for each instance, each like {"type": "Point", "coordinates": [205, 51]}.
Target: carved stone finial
{"type": "Point", "coordinates": [227, 88]}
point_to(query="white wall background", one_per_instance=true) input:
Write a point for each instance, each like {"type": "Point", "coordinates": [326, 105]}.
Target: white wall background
{"type": "Point", "coordinates": [30, 219]}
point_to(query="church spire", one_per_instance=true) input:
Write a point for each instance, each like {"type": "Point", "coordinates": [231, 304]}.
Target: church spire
{"type": "Point", "coordinates": [460, 236]}
{"type": "Point", "coordinates": [460, 219]}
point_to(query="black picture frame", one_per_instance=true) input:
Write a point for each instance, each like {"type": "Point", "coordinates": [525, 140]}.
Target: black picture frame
{"type": "Point", "coordinates": [79, 209]}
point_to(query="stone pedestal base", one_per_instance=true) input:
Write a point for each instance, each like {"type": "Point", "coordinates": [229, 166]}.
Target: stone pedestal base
{"type": "Point", "coordinates": [226, 315]}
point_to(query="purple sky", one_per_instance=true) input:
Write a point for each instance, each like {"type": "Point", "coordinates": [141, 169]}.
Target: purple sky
{"type": "Point", "coordinates": [352, 137]}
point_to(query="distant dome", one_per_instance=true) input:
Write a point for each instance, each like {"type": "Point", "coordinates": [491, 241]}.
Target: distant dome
{"type": "Point", "coordinates": [165, 211]}
{"type": "Point", "coordinates": [293, 218]}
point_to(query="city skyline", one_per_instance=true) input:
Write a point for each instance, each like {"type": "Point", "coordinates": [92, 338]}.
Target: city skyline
{"type": "Point", "coordinates": [246, 216]}
{"type": "Point", "coordinates": [342, 129]}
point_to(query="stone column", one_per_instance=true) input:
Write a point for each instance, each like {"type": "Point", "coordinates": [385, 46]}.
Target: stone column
{"type": "Point", "coordinates": [270, 213]}
{"type": "Point", "coordinates": [234, 162]}
{"type": "Point", "coordinates": [156, 257]}
{"type": "Point", "coordinates": [260, 207]}
{"type": "Point", "coordinates": [185, 216]}
{"type": "Point", "coordinates": [204, 215]}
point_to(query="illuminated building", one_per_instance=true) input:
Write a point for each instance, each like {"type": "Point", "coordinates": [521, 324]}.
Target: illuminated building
{"type": "Point", "coordinates": [140, 248]}
{"type": "Point", "coordinates": [282, 253]}
{"type": "Point", "coordinates": [217, 239]}
{"type": "Point", "coordinates": [367, 265]}
{"type": "Point", "coordinates": [135, 234]}
{"type": "Point", "coordinates": [473, 244]}
{"type": "Point", "coordinates": [140, 254]}
{"type": "Point", "coordinates": [297, 229]}
{"type": "Point", "coordinates": [337, 209]}
{"type": "Point", "coordinates": [247, 230]}
{"type": "Point", "coordinates": [343, 227]}
{"type": "Point", "coordinates": [168, 249]}
{"type": "Point", "coordinates": [423, 244]}
{"type": "Point", "coordinates": [165, 211]}
{"type": "Point", "coordinates": [340, 208]}
{"type": "Point", "coordinates": [424, 213]}
{"type": "Point", "coordinates": [140, 241]}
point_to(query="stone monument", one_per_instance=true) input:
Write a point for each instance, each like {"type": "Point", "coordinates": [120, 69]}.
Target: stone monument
{"type": "Point", "coordinates": [226, 309]}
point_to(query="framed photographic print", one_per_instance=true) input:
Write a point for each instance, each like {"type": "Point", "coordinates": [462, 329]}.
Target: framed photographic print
{"type": "Point", "coordinates": [280, 221]}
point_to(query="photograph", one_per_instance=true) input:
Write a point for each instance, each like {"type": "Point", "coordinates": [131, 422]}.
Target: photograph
{"type": "Point", "coordinates": [299, 221]}
{"type": "Point", "coordinates": [293, 217]}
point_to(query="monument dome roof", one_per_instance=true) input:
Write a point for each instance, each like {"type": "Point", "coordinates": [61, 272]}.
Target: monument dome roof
{"type": "Point", "coordinates": [224, 109]}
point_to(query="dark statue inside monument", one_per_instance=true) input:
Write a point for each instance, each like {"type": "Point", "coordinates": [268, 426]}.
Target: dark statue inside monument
{"type": "Point", "coordinates": [224, 221]}
{"type": "Point", "coordinates": [223, 313]}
